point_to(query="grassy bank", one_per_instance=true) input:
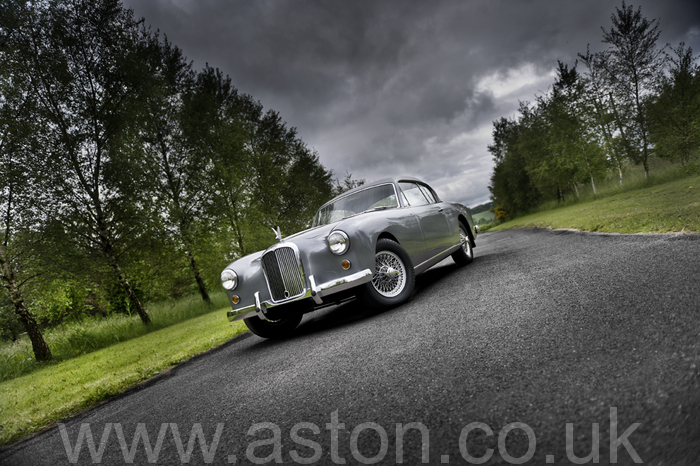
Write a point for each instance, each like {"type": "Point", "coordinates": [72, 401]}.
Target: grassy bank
{"type": "Point", "coordinates": [72, 339]}
{"type": "Point", "coordinates": [42, 397]}
{"type": "Point", "coordinates": [671, 206]}
{"type": "Point", "coordinates": [483, 217]}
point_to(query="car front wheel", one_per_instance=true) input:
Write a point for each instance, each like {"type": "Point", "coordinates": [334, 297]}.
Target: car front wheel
{"type": "Point", "coordinates": [394, 278]}
{"type": "Point", "coordinates": [465, 254]}
{"type": "Point", "coordinates": [274, 329]}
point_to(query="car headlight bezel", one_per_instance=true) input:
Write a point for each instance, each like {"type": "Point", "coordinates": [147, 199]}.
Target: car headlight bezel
{"type": "Point", "coordinates": [229, 279]}
{"type": "Point", "coordinates": [338, 242]}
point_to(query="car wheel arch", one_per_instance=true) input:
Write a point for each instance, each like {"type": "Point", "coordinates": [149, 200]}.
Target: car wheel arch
{"type": "Point", "coordinates": [386, 235]}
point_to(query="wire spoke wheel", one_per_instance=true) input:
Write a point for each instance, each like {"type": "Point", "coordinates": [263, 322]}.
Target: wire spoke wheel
{"type": "Point", "coordinates": [464, 238]}
{"type": "Point", "coordinates": [465, 254]}
{"type": "Point", "coordinates": [390, 276]}
{"type": "Point", "coordinates": [394, 277]}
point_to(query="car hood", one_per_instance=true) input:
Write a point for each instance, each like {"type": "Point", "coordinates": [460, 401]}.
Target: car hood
{"type": "Point", "coordinates": [312, 235]}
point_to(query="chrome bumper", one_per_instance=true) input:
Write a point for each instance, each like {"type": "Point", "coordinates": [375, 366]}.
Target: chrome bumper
{"type": "Point", "coordinates": [317, 292]}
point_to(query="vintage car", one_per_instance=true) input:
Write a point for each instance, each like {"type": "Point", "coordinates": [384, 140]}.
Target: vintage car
{"type": "Point", "coordinates": [368, 243]}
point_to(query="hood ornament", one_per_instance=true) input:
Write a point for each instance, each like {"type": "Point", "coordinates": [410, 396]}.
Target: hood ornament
{"type": "Point", "coordinates": [278, 234]}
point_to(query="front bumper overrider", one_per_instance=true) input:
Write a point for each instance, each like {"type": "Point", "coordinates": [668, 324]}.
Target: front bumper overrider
{"type": "Point", "coordinates": [315, 291]}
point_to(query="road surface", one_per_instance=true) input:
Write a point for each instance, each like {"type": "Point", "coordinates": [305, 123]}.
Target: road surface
{"type": "Point", "coordinates": [546, 331]}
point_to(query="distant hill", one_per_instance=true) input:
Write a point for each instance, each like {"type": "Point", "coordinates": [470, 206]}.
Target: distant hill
{"type": "Point", "coordinates": [481, 208]}
{"type": "Point", "coordinates": [482, 218]}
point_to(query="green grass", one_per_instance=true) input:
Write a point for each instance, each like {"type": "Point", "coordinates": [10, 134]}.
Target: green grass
{"type": "Point", "coordinates": [670, 206]}
{"type": "Point", "coordinates": [81, 337]}
{"type": "Point", "coordinates": [661, 171]}
{"type": "Point", "coordinates": [488, 216]}
{"type": "Point", "coordinates": [34, 401]}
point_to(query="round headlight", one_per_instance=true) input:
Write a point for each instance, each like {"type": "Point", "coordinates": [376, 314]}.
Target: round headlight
{"type": "Point", "coordinates": [229, 279]}
{"type": "Point", "coordinates": [338, 242]}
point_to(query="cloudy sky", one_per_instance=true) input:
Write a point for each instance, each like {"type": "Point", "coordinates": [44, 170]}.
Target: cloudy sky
{"type": "Point", "coordinates": [384, 87]}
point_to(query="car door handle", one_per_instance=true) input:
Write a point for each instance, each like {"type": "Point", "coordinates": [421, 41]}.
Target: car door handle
{"type": "Point", "coordinates": [440, 209]}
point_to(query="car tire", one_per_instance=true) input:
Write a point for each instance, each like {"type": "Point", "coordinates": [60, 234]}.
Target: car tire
{"type": "Point", "coordinates": [394, 278]}
{"type": "Point", "coordinates": [273, 329]}
{"type": "Point", "coordinates": [465, 254]}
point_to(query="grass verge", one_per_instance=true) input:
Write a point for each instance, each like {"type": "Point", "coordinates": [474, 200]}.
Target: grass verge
{"type": "Point", "coordinates": [36, 400]}
{"type": "Point", "coordinates": [669, 207]}
{"type": "Point", "coordinates": [83, 336]}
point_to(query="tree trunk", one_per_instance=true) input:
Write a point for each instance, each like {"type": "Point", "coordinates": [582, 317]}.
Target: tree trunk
{"type": "Point", "coordinates": [609, 139]}
{"type": "Point", "coordinates": [646, 168]}
{"type": "Point", "coordinates": [239, 238]}
{"type": "Point", "coordinates": [198, 278]}
{"type": "Point", "coordinates": [42, 352]}
{"type": "Point", "coordinates": [129, 290]}
{"type": "Point", "coordinates": [619, 170]}
{"type": "Point", "coordinates": [588, 165]}
{"type": "Point", "coordinates": [235, 222]}
{"type": "Point", "coordinates": [106, 246]}
{"type": "Point", "coordinates": [187, 243]}
{"type": "Point", "coordinates": [625, 142]}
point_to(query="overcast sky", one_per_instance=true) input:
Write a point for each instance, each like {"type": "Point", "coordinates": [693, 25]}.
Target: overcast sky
{"type": "Point", "coordinates": [388, 87]}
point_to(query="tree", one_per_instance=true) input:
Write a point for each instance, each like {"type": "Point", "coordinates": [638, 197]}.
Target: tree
{"type": "Point", "coordinates": [512, 188]}
{"type": "Point", "coordinates": [602, 111]}
{"type": "Point", "coordinates": [339, 187]}
{"type": "Point", "coordinates": [220, 119]}
{"type": "Point", "coordinates": [172, 141]}
{"type": "Point", "coordinates": [675, 111]}
{"type": "Point", "coordinates": [287, 182]}
{"type": "Point", "coordinates": [18, 143]}
{"type": "Point", "coordinates": [632, 65]}
{"type": "Point", "coordinates": [88, 64]}
{"type": "Point", "coordinates": [307, 185]}
{"type": "Point", "coordinates": [572, 131]}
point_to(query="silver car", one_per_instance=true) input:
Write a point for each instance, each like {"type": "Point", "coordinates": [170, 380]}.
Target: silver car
{"type": "Point", "coordinates": [368, 243]}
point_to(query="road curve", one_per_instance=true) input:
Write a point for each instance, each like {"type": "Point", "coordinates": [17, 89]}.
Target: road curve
{"type": "Point", "coordinates": [488, 362]}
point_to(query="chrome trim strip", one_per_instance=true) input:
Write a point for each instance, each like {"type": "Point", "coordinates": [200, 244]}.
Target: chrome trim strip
{"type": "Point", "coordinates": [342, 284]}
{"type": "Point", "coordinates": [259, 309]}
{"type": "Point", "coordinates": [240, 314]}
{"type": "Point", "coordinates": [449, 250]}
{"type": "Point", "coordinates": [316, 292]}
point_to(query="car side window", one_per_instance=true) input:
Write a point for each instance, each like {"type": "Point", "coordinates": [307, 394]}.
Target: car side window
{"type": "Point", "coordinates": [413, 194]}
{"type": "Point", "coordinates": [405, 201]}
{"type": "Point", "coordinates": [428, 194]}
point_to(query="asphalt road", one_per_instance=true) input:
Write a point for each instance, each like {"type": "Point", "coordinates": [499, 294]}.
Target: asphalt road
{"type": "Point", "coordinates": [491, 361]}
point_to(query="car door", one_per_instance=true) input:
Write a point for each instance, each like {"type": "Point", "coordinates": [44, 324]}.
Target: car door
{"type": "Point", "coordinates": [437, 235]}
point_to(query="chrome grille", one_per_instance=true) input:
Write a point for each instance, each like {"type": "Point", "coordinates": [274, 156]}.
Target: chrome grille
{"type": "Point", "coordinates": [283, 273]}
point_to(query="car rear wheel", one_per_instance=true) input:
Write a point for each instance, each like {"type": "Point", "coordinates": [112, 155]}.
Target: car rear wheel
{"type": "Point", "coordinates": [394, 278]}
{"type": "Point", "coordinates": [465, 254]}
{"type": "Point", "coordinates": [274, 329]}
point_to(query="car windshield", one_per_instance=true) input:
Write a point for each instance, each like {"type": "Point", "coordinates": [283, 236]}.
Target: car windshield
{"type": "Point", "coordinates": [375, 198]}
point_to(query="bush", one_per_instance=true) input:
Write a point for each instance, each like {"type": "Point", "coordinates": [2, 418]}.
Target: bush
{"type": "Point", "coordinates": [500, 213]}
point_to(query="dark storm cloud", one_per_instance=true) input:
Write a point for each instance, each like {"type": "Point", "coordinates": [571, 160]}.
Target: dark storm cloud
{"type": "Point", "coordinates": [380, 87]}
